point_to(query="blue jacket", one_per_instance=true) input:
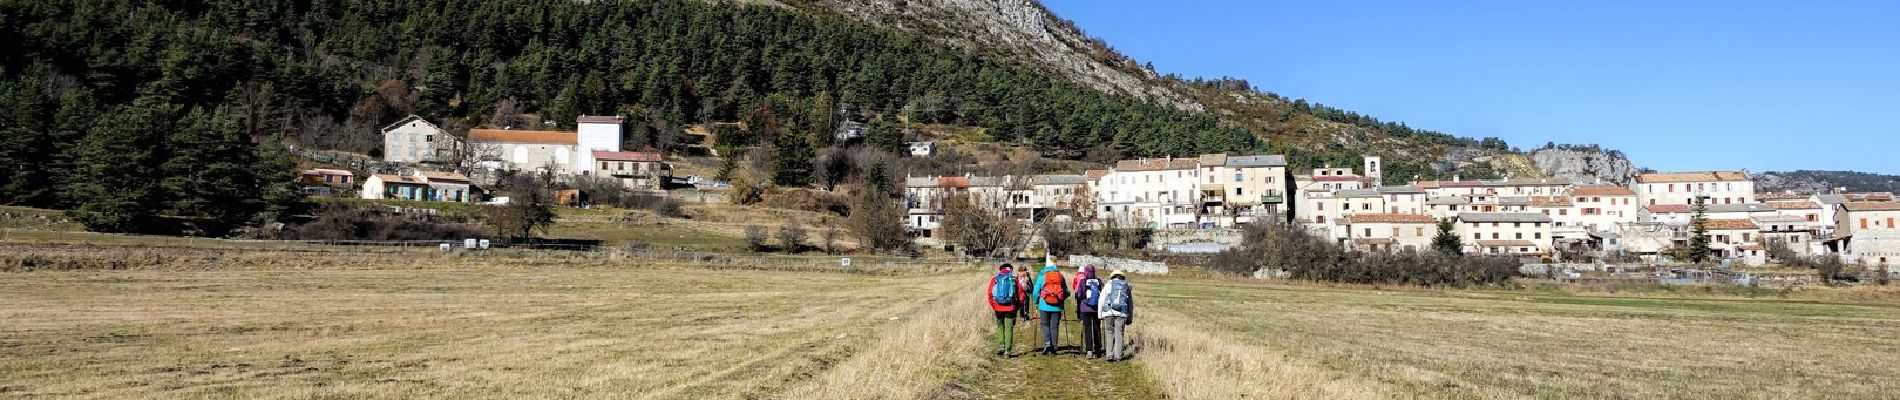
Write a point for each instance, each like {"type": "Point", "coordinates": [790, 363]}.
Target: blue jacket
{"type": "Point", "coordinates": [1037, 289]}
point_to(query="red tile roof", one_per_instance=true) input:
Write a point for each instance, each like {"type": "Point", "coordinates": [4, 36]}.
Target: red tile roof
{"type": "Point", "coordinates": [642, 156]}
{"type": "Point", "coordinates": [1550, 201]}
{"type": "Point", "coordinates": [1390, 219]}
{"type": "Point", "coordinates": [514, 136]}
{"type": "Point", "coordinates": [1602, 191]}
{"type": "Point", "coordinates": [389, 179]}
{"type": "Point", "coordinates": [1097, 174]}
{"type": "Point", "coordinates": [1870, 196]}
{"type": "Point", "coordinates": [1871, 206]}
{"type": "Point", "coordinates": [1706, 176]}
{"type": "Point", "coordinates": [1729, 224]}
{"type": "Point", "coordinates": [1157, 164]}
{"type": "Point", "coordinates": [444, 176]}
{"type": "Point", "coordinates": [327, 171]}
{"type": "Point", "coordinates": [1667, 208]}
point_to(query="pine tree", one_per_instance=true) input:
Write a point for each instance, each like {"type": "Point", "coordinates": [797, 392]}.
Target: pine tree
{"type": "Point", "coordinates": [26, 152]}
{"type": "Point", "coordinates": [276, 172]}
{"type": "Point", "coordinates": [210, 182]}
{"type": "Point", "coordinates": [1448, 241]}
{"type": "Point", "coordinates": [113, 185]}
{"type": "Point", "coordinates": [792, 162]}
{"type": "Point", "coordinates": [1699, 232]}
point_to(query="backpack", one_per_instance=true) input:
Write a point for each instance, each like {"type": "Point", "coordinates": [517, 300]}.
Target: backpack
{"type": "Point", "coordinates": [1091, 291]}
{"type": "Point", "coordinates": [1003, 291]}
{"type": "Point", "coordinates": [1118, 302]}
{"type": "Point", "coordinates": [1052, 293]}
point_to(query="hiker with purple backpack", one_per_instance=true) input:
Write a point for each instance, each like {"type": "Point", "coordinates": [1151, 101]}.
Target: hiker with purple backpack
{"type": "Point", "coordinates": [1088, 295]}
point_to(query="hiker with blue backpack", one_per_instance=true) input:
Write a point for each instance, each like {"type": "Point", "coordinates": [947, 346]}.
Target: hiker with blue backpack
{"type": "Point", "coordinates": [1051, 291]}
{"type": "Point", "coordinates": [1005, 299]}
{"type": "Point", "coordinates": [1088, 295]}
{"type": "Point", "coordinates": [1117, 310]}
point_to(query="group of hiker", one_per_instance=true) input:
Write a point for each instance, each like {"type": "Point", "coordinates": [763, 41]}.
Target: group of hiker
{"type": "Point", "coordinates": [1103, 306]}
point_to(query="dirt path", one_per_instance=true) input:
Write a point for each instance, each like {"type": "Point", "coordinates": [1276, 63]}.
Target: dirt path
{"type": "Point", "coordinates": [1067, 375]}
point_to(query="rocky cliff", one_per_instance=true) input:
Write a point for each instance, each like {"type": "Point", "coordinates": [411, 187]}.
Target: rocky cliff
{"type": "Point", "coordinates": [1018, 30]}
{"type": "Point", "coordinates": [1584, 164]}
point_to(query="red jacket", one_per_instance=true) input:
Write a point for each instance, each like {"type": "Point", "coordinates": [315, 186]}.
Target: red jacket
{"type": "Point", "coordinates": [991, 289]}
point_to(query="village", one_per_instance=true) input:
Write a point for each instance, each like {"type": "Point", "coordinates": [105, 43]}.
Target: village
{"type": "Point", "coordinates": [1199, 203]}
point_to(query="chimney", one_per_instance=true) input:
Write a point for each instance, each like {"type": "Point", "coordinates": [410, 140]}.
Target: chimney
{"type": "Point", "coordinates": [1456, 178]}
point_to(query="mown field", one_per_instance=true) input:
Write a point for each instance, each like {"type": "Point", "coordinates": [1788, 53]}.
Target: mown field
{"type": "Point", "coordinates": [427, 325]}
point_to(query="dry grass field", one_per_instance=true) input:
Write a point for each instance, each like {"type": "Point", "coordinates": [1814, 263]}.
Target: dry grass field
{"type": "Point", "coordinates": [1215, 340]}
{"type": "Point", "coordinates": [210, 319]}
{"type": "Point", "coordinates": [490, 332]}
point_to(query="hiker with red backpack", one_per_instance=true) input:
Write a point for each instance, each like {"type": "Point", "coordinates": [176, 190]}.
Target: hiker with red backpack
{"type": "Point", "coordinates": [1005, 299]}
{"type": "Point", "coordinates": [1088, 295]}
{"type": "Point", "coordinates": [1051, 291]}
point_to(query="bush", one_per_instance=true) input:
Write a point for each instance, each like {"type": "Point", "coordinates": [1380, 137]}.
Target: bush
{"type": "Point", "coordinates": [342, 221]}
{"type": "Point", "coordinates": [1304, 256]}
{"type": "Point", "coordinates": [806, 200]}
{"type": "Point", "coordinates": [755, 238]}
{"type": "Point", "coordinates": [791, 238]}
{"type": "Point", "coordinates": [606, 191]}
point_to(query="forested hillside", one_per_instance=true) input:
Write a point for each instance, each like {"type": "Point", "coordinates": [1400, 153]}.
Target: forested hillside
{"type": "Point", "coordinates": [144, 97]}
{"type": "Point", "coordinates": [1823, 181]}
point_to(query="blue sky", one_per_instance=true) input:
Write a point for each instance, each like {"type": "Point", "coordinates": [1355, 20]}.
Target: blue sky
{"type": "Point", "coordinates": [1678, 85]}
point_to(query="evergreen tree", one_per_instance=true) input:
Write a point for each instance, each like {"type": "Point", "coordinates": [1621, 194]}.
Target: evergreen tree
{"type": "Point", "coordinates": [1448, 241]}
{"type": "Point", "coordinates": [1699, 232]}
{"type": "Point", "coordinates": [210, 181]}
{"type": "Point", "coordinates": [876, 176]}
{"type": "Point", "coordinates": [113, 185]}
{"type": "Point", "coordinates": [26, 153]}
{"type": "Point", "coordinates": [884, 135]}
{"type": "Point", "coordinates": [792, 162]}
{"type": "Point", "coordinates": [276, 172]}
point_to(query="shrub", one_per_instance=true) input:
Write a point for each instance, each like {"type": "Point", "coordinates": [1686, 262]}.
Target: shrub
{"type": "Point", "coordinates": [755, 238]}
{"type": "Point", "coordinates": [1301, 255]}
{"type": "Point", "coordinates": [791, 238]}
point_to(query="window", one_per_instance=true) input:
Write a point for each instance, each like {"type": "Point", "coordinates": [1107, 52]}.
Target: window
{"type": "Point", "coordinates": [1563, 212]}
{"type": "Point", "coordinates": [1238, 191]}
{"type": "Point", "coordinates": [1368, 232]}
{"type": "Point", "coordinates": [1517, 224]}
{"type": "Point", "coordinates": [1863, 223]}
{"type": "Point", "coordinates": [1238, 178]}
{"type": "Point", "coordinates": [1479, 236]}
{"type": "Point", "coordinates": [1494, 235]}
{"type": "Point", "coordinates": [1538, 235]}
{"type": "Point", "coordinates": [1519, 235]}
{"type": "Point", "coordinates": [1672, 188]}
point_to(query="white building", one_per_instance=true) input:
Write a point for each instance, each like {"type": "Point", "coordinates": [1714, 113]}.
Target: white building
{"type": "Point", "coordinates": [1159, 193]}
{"type": "Point", "coordinates": [1390, 232]}
{"type": "Point", "coordinates": [1720, 187]}
{"type": "Point", "coordinates": [1522, 234]}
{"type": "Point", "coordinates": [1601, 208]}
{"type": "Point", "coordinates": [553, 152]}
{"type": "Point", "coordinates": [415, 140]}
